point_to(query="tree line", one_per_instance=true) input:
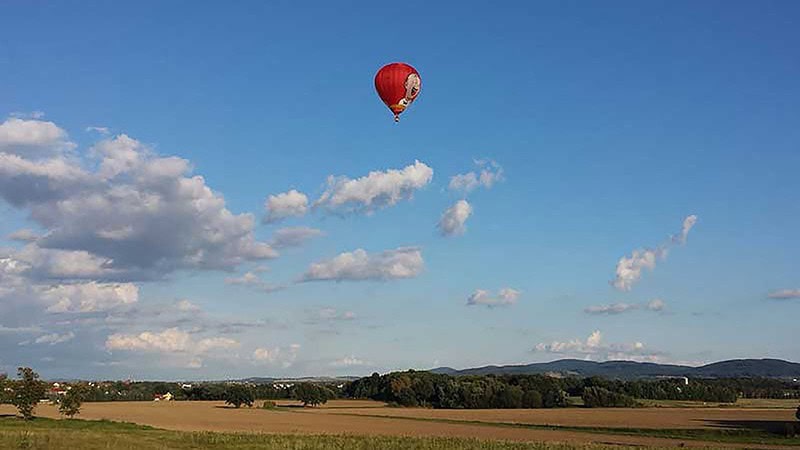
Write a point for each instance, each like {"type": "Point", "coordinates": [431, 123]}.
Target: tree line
{"type": "Point", "coordinates": [419, 388]}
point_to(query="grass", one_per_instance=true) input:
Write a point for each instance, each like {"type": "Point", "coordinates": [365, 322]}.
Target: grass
{"type": "Point", "coordinates": [722, 435]}
{"type": "Point", "coordinates": [759, 403]}
{"type": "Point", "coordinates": [50, 434]}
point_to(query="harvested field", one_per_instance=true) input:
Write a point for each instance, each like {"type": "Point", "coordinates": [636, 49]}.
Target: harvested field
{"type": "Point", "coordinates": [357, 418]}
{"type": "Point", "coordinates": [585, 417]}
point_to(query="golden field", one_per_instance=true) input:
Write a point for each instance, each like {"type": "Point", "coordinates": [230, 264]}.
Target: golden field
{"type": "Point", "coordinates": [367, 418]}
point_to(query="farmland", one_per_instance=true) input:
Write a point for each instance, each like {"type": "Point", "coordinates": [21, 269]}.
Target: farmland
{"type": "Point", "coordinates": [367, 421]}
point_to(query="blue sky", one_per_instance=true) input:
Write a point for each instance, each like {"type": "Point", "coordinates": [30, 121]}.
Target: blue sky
{"type": "Point", "coordinates": [602, 128]}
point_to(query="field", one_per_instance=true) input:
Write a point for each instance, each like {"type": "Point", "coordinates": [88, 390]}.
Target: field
{"type": "Point", "coordinates": [366, 424]}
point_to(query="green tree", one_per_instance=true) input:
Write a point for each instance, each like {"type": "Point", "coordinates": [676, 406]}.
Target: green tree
{"type": "Point", "coordinates": [28, 390]}
{"type": "Point", "coordinates": [598, 397]}
{"type": "Point", "coordinates": [238, 395]}
{"type": "Point", "coordinates": [3, 385]}
{"type": "Point", "coordinates": [311, 394]}
{"type": "Point", "coordinates": [532, 399]}
{"type": "Point", "coordinates": [71, 402]}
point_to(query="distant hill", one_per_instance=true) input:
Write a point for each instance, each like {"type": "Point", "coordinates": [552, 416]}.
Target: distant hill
{"type": "Point", "coordinates": [769, 368]}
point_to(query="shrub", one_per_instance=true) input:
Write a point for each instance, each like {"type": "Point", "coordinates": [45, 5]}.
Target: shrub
{"type": "Point", "coordinates": [27, 392]}
{"type": "Point", "coordinates": [269, 404]}
{"type": "Point", "coordinates": [598, 397]}
{"type": "Point", "coordinates": [70, 404]}
{"type": "Point", "coordinates": [238, 395]}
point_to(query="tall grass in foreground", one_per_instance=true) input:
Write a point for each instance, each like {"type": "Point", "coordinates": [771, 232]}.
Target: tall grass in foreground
{"type": "Point", "coordinates": [157, 440]}
{"type": "Point", "coordinates": [48, 434]}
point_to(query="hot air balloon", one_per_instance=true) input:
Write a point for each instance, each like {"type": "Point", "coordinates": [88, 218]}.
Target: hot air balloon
{"type": "Point", "coordinates": [398, 84]}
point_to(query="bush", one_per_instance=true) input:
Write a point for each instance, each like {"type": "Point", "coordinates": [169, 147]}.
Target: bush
{"type": "Point", "coordinates": [238, 395]}
{"type": "Point", "coordinates": [70, 404]}
{"type": "Point", "coordinates": [597, 397]}
{"type": "Point", "coordinates": [269, 404]}
{"type": "Point", "coordinates": [27, 392]}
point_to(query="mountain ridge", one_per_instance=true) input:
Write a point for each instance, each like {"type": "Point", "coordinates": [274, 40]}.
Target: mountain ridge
{"type": "Point", "coordinates": [764, 367]}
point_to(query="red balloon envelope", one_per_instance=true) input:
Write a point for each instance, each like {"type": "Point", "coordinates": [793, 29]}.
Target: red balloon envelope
{"type": "Point", "coordinates": [398, 84]}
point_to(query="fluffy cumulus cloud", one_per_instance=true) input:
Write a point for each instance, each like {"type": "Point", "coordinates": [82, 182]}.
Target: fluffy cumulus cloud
{"type": "Point", "coordinates": [171, 341]}
{"type": "Point", "coordinates": [504, 297]}
{"type": "Point", "coordinates": [656, 305]}
{"type": "Point", "coordinates": [187, 306]}
{"type": "Point", "coordinates": [594, 348]}
{"type": "Point", "coordinates": [487, 174]}
{"type": "Point", "coordinates": [90, 297]}
{"type": "Point", "coordinates": [358, 265]}
{"type": "Point", "coordinates": [32, 137]}
{"type": "Point", "coordinates": [629, 268]}
{"type": "Point", "coordinates": [288, 204]}
{"type": "Point", "coordinates": [141, 215]}
{"type": "Point", "coordinates": [452, 222]}
{"type": "Point", "coordinates": [785, 294]}
{"type": "Point", "coordinates": [104, 220]}
{"type": "Point", "coordinates": [376, 190]}
{"type": "Point", "coordinates": [294, 236]}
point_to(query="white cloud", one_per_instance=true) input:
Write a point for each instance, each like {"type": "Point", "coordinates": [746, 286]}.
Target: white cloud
{"type": "Point", "coordinates": [785, 294]}
{"type": "Point", "coordinates": [403, 262]}
{"type": "Point", "coordinates": [143, 215]}
{"type": "Point", "coordinates": [629, 268]}
{"type": "Point", "coordinates": [171, 340]}
{"type": "Point", "coordinates": [287, 204]}
{"type": "Point", "coordinates": [266, 354]}
{"type": "Point", "coordinates": [688, 223]}
{"type": "Point", "coordinates": [615, 308]}
{"type": "Point", "coordinates": [453, 219]}
{"type": "Point", "coordinates": [27, 115]}
{"type": "Point", "coordinates": [100, 130]}
{"type": "Point", "coordinates": [32, 138]}
{"type": "Point", "coordinates": [294, 236]}
{"type": "Point", "coordinates": [89, 297]}
{"type": "Point", "coordinates": [24, 235]}
{"type": "Point", "coordinates": [594, 348]}
{"type": "Point", "coordinates": [253, 281]}
{"type": "Point", "coordinates": [55, 338]}
{"type": "Point", "coordinates": [187, 306]}
{"type": "Point", "coordinates": [489, 174]}
{"type": "Point", "coordinates": [376, 190]}
{"type": "Point", "coordinates": [348, 361]}
{"type": "Point", "coordinates": [504, 297]}
{"type": "Point", "coordinates": [332, 314]}
{"type": "Point", "coordinates": [284, 356]}
{"type": "Point", "coordinates": [656, 305]}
